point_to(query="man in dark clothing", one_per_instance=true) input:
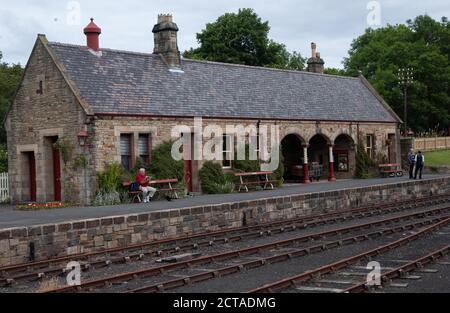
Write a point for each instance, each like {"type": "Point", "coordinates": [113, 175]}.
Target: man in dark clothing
{"type": "Point", "coordinates": [420, 161]}
{"type": "Point", "coordinates": [411, 163]}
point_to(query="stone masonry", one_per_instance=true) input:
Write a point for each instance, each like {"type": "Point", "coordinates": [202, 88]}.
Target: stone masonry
{"type": "Point", "coordinates": [97, 234]}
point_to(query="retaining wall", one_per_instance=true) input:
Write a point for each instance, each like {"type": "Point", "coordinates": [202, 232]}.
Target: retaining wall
{"type": "Point", "coordinates": [96, 234]}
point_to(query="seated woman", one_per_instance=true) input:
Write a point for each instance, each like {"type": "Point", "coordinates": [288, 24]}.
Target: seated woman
{"type": "Point", "coordinates": [143, 180]}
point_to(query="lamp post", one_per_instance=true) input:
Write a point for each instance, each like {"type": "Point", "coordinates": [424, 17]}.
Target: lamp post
{"type": "Point", "coordinates": [405, 79]}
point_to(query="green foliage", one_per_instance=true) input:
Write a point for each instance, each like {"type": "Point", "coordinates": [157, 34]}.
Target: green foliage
{"type": "Point", "coordinates": [109, 180]}
{"type": "Point", "coordinates": [163, 166]}
{"type": "Point", "coordinates": [3, 159]}
{"type": "Point", "coordinates": [364, 164]}
{"type": "Point", "coordinates": [65, 147]}
{"type": "Point", "coordinates": [242, 38]}
{"type": "Point", "coordinates": [10, 76]}
{"type": "Point", "coordinates": [213, 179]}
{"type": "Point", "coordinates": [80, 161]}
{"type": "Point", "coordinates": [423, 44]}
{"type": "Point", "coordinates": [437, 158]}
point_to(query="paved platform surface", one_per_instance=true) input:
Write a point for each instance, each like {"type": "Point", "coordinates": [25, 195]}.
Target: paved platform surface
{"type": "Point", "coordinates": [14, 218]}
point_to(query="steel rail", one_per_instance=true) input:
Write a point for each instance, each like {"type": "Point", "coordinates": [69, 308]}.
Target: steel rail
{"type": "Point", "coordinates": [245, 251]}
{"type": "Point", "coordinates": [210, 274]}
{"type": "Point", "coordinates": [311, 220]}
{"type": "Point", "coordinates": [343, 263]}
{"type": "Point", "coordinates": [401, 271]}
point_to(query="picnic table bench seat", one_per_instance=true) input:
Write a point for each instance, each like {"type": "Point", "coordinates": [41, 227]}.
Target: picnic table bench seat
{"type": "Point", "coordinates": [390, 170]}
{"type": "Point", "coordinates": [166, 187]}
{"type": "Point", "coordinates": [255, 178]}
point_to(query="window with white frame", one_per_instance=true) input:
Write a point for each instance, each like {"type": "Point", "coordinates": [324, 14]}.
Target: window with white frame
{"type": "Point", "coordinates": [144, 148]}
{"type": "Point", "coordinates": [370, 145]}
{"type": "Point", "coordinates": [126, 154]}
{"type": "Point", "coordinates": [227, 151]}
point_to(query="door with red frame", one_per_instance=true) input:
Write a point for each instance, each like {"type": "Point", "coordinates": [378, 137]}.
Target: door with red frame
{"type": "Point", "coordinates": [187, 157]}
{"type": "Point", "coordinates": [56, 173]}
{"type": "Point", "coordinates": [32, 175]}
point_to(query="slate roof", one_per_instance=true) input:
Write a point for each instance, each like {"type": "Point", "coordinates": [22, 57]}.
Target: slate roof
{"type": "Point", "coordinates": [122, 82]}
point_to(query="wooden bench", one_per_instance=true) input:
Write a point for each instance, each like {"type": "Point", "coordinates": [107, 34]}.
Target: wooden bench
{"type": "Point", "coordinates": [390, 170]}
{"type": "Point", "coordinates": [254, 179]}
{"type": "Point", "coordinates": [161, 185]}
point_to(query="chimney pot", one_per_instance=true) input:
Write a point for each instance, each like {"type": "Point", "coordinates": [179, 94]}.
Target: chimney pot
{"type": "Point", "coordinates": [165, 37]}
{"type": "Point", "coordinates": [315, 63]}
{"type": "Point", "coordinates": [92, 32]}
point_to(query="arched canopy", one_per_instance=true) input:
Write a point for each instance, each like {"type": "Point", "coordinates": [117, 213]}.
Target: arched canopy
{"type": "Point", "coordinates": [344, 140]}
{"type": "Point", "coordinates": [319, 139]}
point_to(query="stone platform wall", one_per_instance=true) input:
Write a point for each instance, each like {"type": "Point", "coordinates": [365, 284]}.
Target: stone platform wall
{"type": "Point", "coordinates": [95, 234]}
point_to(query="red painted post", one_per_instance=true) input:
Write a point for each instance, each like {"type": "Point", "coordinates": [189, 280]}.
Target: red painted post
{"type": "Point", "coordinates": [305, 165]}
{"type": "Point", "coordinates": [331, 176]}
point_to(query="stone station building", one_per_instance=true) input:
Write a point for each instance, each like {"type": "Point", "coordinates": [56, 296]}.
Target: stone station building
{"type": "Point", "coordinates": [113, 106]}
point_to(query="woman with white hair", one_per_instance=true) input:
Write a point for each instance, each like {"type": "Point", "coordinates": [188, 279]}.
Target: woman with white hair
{"type": "Point", "coordinates": [144, 181]}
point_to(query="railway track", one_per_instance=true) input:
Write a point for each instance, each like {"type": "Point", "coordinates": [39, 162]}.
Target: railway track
{"type": "Point", "coordinates": [402, 271]}
{"type": "Point", "coordinates": [296, 281]}
{"type": "Point", "coordinates": [279, 251]}
{"type": "Point", "coordinates": [45, 268]}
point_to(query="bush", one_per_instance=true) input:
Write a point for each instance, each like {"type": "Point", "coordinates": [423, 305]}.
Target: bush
{"type": "Point", "coordinates": [213, 179]}
{"type": "Point", "coordinates": [3, 159]}
{"type": "Point", "coordinates": [163, 165]}
{"type": "Point", "coordinates": [110, 178]}
{"type": "Point", "coordinates": [364, 164]}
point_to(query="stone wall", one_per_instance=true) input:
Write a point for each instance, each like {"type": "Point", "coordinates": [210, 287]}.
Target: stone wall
{"type": "Point", "coordinates": [34, 120]}
{"type": "Point", "coordinates": [96, 234]}
{"type": "Point", "coordinates": [108, 130]}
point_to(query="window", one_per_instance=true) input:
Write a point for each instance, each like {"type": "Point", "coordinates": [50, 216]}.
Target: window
{"type": "Point", "coordinates": [126, 150]}
{"type": "Point", "coordinates": [144, 148]}
{"type": "Point", "coordinates": [255, 141]}
{"type": "Point", "coordinates": [227, 151]}
{"type": "Point", "coordinates": [341, 161]}
{"type": "Point", "coordinates": [40, 89]}
{"type": "Point", "coordinates": [369, 145]}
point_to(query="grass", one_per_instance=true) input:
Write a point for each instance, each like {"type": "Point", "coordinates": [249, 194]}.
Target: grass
{"type": "Point", "coordinates": [437, 158]}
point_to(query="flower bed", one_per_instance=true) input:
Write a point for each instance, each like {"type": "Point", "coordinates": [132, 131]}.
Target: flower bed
{"type": "Point", "coordinates": [41, 206]}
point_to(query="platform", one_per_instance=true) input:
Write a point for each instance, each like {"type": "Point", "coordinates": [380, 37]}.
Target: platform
{"type": "Point", "coordinates": [9, 217]}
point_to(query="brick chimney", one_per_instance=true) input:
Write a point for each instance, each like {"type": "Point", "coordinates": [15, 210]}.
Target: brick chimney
{"type": "Point", "coordinates": [315, 63]}
{"type": "Point", "coordinates": [92, 32]}
{"type": "Point", "coordinates": [165, 35]}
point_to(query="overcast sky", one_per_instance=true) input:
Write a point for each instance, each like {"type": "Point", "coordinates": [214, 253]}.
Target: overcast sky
{"type": "Point", "coordinates": [127, 24]}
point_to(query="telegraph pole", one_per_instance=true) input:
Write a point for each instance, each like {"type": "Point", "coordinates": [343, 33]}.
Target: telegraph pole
{"type": "Point", "coordinates": [405, 79]}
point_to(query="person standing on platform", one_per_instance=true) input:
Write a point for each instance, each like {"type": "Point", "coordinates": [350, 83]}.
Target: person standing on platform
{"type": "Point", "coordinates": [420, 161]}
{"type": "Point", "coordinates": [411, 163]}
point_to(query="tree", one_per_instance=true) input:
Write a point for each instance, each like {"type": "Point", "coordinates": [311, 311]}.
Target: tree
{"type": "Point", "coordinates": [423, 44]}
{"type": "Point", "coordinates": [10, 76]}
{"type": "Point", "coordinates": [242, 38]}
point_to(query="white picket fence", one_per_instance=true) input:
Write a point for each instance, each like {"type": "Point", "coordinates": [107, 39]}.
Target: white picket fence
{"type": "Point", "coordinates": [4, 187]}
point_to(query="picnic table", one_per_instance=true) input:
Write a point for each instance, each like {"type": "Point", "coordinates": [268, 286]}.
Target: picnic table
{"type": "Point", "coordinates": [254, 179]}
{"type": "Point", "coordinates": [390, 170]}
{"type": "Point", "coordinates": [161, 185]}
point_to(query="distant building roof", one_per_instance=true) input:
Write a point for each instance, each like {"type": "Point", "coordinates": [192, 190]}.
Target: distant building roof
{"type": "Point", "coordinates": [120, 82]}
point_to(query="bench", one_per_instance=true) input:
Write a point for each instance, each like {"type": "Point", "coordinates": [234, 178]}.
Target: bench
{"type": "Point", "coordinates": [161, 185]}
{"type": "Point", "coordinates": [390, 170]}
{"type": "Point", "coordinates": [254, 179]}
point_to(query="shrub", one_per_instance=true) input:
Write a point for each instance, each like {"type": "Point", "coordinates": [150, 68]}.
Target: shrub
{"type": "Point", "coordinates": [3, 159]}
{"type": "Point", "coordinates": [163, 165]}
{"type": "Point", "coordinates": [364, 164]}
{"type": "Point", "coordinates": [213, 179]}
{"type": "Point", "coordinates": [110, 178]}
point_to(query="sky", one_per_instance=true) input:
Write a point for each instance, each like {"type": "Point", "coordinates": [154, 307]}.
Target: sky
{"type": "Point", "coordinates": [127, 24]}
